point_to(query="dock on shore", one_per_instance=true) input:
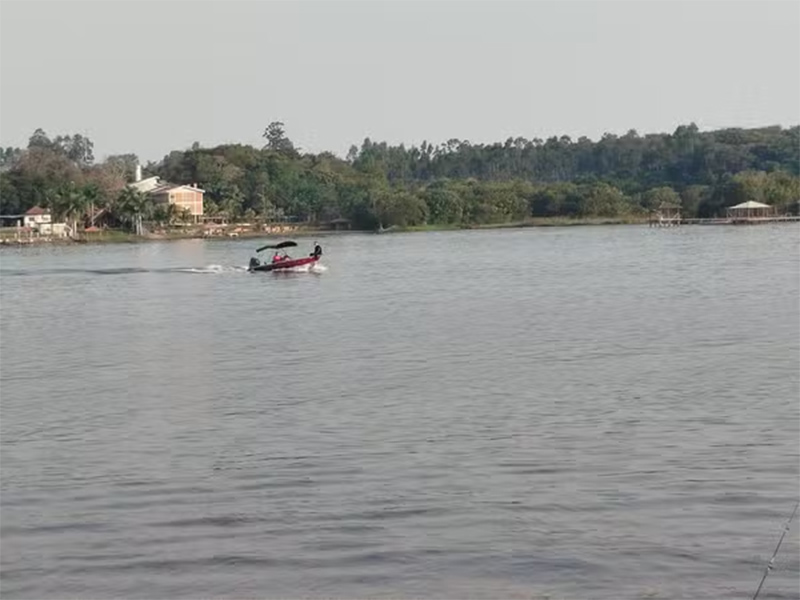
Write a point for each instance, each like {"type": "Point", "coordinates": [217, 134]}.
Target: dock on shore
{"type": "Point", "coordinates": [746, 213]}
{"type": "Point", "coordinates": [675, 222]}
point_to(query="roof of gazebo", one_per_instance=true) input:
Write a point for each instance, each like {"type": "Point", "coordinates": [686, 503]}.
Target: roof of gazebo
{"type": "Point", "coordinates": [749, 204]}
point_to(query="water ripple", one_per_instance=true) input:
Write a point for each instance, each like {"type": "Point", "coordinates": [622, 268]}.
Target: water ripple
{"type": "Point", "coordinates": [584, 413]}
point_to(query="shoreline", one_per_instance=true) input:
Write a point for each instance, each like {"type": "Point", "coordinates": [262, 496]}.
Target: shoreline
{"type": "Point", "coordinates": [536, 222]}
{"type": "Point", "coordinates": [121, 237]}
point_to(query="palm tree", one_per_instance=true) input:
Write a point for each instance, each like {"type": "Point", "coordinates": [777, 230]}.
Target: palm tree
{"type": "Point", "coordinates": [69, 202]}
{"type": "Point", "coordinates": [91, 196]}
{"type": "Point", "coordinates": [165, 214]}
{"type": "Point", "coordinates": [160, 215]}
{"type": "Point", "coordinates": [123, 208]}
{"type": "Point", "coordinates": [173, 213]}
{"type": "Point", "coordinates": [185, 215]}
{"type": "Point", "coordinates": [133, 207]}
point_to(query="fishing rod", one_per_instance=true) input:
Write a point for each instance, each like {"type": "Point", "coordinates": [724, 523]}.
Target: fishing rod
{"type": "Point", "coordinates": [771, 562]}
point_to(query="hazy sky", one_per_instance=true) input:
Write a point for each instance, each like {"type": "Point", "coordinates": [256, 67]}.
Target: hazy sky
{"type": "Point", "coordinates": [149, 77]}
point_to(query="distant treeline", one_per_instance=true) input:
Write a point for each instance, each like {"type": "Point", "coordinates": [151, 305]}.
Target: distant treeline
{"type": "Point", "coordinates": [455, 183]}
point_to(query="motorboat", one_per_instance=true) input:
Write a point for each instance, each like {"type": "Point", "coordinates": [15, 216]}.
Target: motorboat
{"type": "Point", "coordinates": [280, 260]}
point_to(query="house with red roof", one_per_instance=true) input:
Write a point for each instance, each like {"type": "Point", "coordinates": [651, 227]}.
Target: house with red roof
{"type": "Point", "coordinates": [34, 222]}
{"type": "Point", "coordinates": [38, 218]}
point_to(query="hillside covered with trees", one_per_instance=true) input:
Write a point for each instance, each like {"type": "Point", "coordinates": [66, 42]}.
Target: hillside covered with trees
{"type": "Point", "coordinates": [453, 183]}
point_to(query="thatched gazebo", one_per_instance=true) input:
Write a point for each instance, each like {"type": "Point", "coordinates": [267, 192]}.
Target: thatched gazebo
{"type": "Point", "coordinates": [750, 211]}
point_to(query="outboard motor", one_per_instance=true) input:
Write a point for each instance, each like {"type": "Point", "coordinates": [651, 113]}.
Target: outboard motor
{"type": "Point", "coordinates": [254, 262]}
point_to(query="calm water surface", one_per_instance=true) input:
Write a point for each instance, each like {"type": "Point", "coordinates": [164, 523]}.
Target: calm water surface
{"type": "Point", "coordinates": [569, 413]}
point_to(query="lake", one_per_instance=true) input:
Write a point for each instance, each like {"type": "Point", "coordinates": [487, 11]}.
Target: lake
{"type": "Point", "coordinates": [587, 412]}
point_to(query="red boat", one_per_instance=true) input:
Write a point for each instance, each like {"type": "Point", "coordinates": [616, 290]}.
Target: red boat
{"type": "Point", "coordinates": [281, 261]}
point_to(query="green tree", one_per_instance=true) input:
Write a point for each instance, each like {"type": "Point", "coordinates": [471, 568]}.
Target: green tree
{"type": "Point", "coordinates": [603, 200]}
{"type": "Point", "coordinates": [400, 208]}
{"type": "Point", "coordinates": [165, 214]}
{"type": "Point", "coordinates": [444, 204]}
{"type": "Point", "coordinates": [782, 190]}
{"type": "Point", "coordinates": [660, 196]}
{"type": "Point", "coordinates": [559, 199]}
{"type": "Point", "coordinates": [275, 134]}
{"type": "Point", "coordinates": [692, 198]}
{"type": "Point", "coordinates": [750, 185]}
{"type": "Point", "coordinates": [123, 165]}
{"type": "Point", "coordinates": [10, 201]}
{"type": "Point", "coordinates": [9, 157]}
{"type": "Point", "coordinates": [454, 181]}
{"type": "Point", "coordinates": [77, 148]}
{"type": "Point", "coordinates": [39, 139]}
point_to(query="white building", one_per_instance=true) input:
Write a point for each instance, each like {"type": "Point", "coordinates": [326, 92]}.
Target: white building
{"type": "Point", "coordinates": [186, 197]}
{"type": "Point", "coordinates": [40, 220]}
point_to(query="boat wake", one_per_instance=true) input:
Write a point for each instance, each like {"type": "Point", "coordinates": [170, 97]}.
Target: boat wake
{"type": "Point", "coordinates": [225, 269]}
{"type": "Point", "coordinates": [212, 270]}
{"type": "Point", "coordinates": [208, 269]}
{"type": "Point", "coordinates": [309, 268]}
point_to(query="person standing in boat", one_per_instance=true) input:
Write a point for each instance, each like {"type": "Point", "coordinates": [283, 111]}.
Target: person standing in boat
{"type": "Point", "coordinates": [317, 250]}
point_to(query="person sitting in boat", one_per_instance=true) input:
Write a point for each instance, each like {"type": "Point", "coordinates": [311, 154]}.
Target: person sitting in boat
{"type": "Point", "coordinates": [277, 257]}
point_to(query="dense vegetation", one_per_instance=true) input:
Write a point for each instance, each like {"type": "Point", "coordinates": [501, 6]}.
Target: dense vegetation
{"type": "Point", "coordinates": [454, 183]}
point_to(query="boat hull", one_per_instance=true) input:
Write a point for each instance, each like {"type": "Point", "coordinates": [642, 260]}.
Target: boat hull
{"type": "Point", "coordinates": [284, 264]}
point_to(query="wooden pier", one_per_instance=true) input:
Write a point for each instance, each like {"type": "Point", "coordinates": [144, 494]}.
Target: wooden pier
{"type": "Point", "coordinates": [746, 213]}
{"type": "Point", "coordinates": [723, 221]}
{"type": "Point", "coordinates": [740, 220]}
{"type": "Point", "coordinates": [666, 215]}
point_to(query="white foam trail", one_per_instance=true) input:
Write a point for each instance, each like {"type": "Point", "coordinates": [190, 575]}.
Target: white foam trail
{"type": "Point", "coordinates": [300, 269]}
{"type": "Point", "coordinates": [214, 269]}
{"type": "Point", "coordinates": [309, 268]}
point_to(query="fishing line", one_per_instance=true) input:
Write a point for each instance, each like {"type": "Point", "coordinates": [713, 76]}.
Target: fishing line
{"type": "Point", "coordinates": [771, 562]}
